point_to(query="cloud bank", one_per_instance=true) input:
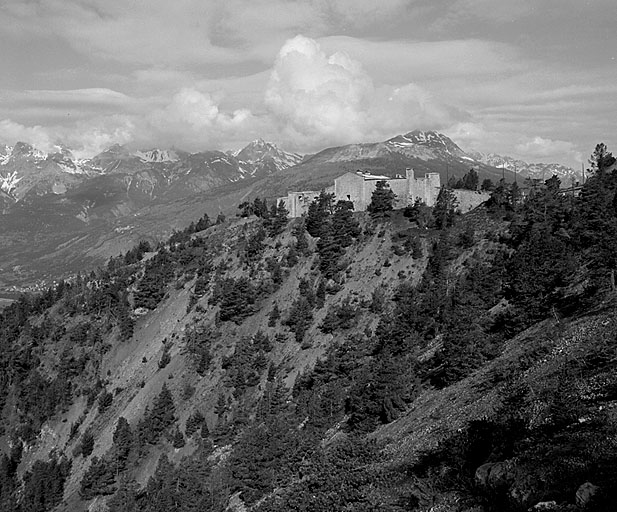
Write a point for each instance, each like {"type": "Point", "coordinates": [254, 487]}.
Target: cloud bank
{"type": "Point", "coordinates": [316, 99]}
{"type": "Point", "coordinates": [235, 72]}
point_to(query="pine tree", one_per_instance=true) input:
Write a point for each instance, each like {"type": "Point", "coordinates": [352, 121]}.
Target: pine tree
{"type": "Point", "coordinates": [278, 220]}
{"type": "Point", "coordinates": [329, 252]}
{"type": "Point", "coordinates": [87, 444]}
{"type": "Point", "coordinates": [275, 314]}
{"type": "Point", "coordinates": [98, 479]}
{"type": "Point", "coordinates": [318, 212]}
{"type": "Point", "coordinates": [601, 159]}
{"type": "Point", "coordinates": [470, 180]}
{"type": "Point", "coordinates": [299, 233]}
{"type": "Point", "coordinates": [159, 418]}
{"type": "Point", "coordinates": [382, 200]}
{"type": "Point", "coordinates": [123, 442]}
{"type": "Point", "coordinates": [344, 227]}
{"type": "Point", "coordinates": [487, 185]}
{"type": "Point", "coordinates": [194, 422]}
{"type": "Point", "coordinates": [125, 499]}
{"type": "Point", "coordinates": [445, 208]}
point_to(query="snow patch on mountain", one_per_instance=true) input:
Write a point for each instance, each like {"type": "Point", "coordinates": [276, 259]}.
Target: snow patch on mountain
{"type": "Point", "coordinates": [5, 154]}
{"type": "Point", "coordinates": [157, 156]}
{"type": "Point", "coordinates": [262, 156]}
{"type": "Point", "coordinates": [9, 182]}
{"type": "Point", "coordinates": [542, 171]}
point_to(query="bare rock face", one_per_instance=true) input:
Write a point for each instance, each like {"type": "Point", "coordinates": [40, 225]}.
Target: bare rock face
{"type": "Point", "coordinates": [585, 494]}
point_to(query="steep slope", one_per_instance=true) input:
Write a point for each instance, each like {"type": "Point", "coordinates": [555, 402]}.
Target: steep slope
{"type": "Point", "coordinates": [349, 363]}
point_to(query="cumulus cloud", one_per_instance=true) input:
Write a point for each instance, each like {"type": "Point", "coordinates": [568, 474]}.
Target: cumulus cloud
{"type": "Point", "coordinates": [88, 139]}
{"type": "Point", "coordinates": [11, 132]}
{"type": "Point", "coordinates": [85, 138]}
{"type": "Point", "coordinates": [194, 117]}
{"type": "Point", "coordinates": [318, 99]}
{"type": "Point", "coordinates": [539, 147]}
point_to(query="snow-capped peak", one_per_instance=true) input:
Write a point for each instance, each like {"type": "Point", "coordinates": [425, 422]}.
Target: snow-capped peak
{"type": "Point", "coordinates": [266, 156]}
{"type": "Point", "coordinates": [157, 155]}
{"type": "Point", "coordinates": [22, 149]}
{"type": "Point", "coordinates": [533, 170]}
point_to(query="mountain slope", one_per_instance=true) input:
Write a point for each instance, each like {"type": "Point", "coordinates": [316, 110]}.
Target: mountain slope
{"type": "Point", "coordinates": [102, 206]}
{"type": "Point", "coordinates": [423, 151]}
{"type": "Point", "coordinates": [376, 365]}
{"type": "Point", "coordinates": [524, 169]}
{"type": "Point", "coordinates": [263, 158]}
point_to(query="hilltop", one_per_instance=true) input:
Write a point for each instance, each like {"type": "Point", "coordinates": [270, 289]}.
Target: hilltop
{"type": "Point", "coordinates": [61, 214]}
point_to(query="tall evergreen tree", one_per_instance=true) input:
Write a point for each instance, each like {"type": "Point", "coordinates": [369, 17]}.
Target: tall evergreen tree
{"type": "Point", "coordinates": [278, 219]}
{"type": "Point", "coordinates": [382, 200]}
{"type": "Point", "coordinates": [470, 180]}
{"type": "Point", "coordinates": [123, 442]}
{"type": "Point", "coordinates": [318, 212]}
{"type": "Point", "coordinates": [445, 208]}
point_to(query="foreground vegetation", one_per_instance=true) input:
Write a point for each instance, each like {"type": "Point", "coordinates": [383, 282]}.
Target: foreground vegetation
{"type": "Point", "coordinates": [479, 376]}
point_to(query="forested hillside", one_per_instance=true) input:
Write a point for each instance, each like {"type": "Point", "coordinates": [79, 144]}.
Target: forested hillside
{"type": "Point", "coordinates": [389, 360]}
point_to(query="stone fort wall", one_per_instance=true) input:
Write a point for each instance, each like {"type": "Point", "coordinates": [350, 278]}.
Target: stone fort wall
{"type": "Point", "coordinates": [358, 187]}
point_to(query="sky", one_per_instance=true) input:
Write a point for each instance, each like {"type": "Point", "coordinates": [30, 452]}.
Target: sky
{"type": "Point", "coordinates": [534, 79]}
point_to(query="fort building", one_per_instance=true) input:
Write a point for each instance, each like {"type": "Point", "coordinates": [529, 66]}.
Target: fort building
{"type": "Point", "coordinates": [358, 188]}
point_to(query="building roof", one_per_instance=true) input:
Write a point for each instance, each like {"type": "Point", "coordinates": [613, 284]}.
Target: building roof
{"type": "Point", "coordinates": [367, 176]}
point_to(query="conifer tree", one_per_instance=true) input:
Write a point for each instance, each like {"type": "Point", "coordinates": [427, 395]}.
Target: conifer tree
{"type": "Point", "coordinates": [344, 227]}
{"type": "Point", "coordinates": [601, 159]}
{"type": "Point", "coordinates": [445, 208]}
{"type": "Point", "coordinates": [275, 314]}
{"type": "Point", "coordinates": [318, 212]}
{"type": "Point", "coordinates": [278, 219]}
{"type": "Point", "coordinates": [382, 200]}
{"type": "Point", "coordinates": [299, 233]}
{"type": "Point", "coordinates": [159, 418]}
{"type": "Point", "coordinates": [470, 180]}
{"type": "Point", "coordinates": [123, 441]}
{"type": "Point", "coordinates": [487, 185]}
{"type": "Point", "coordinates": [125, 499]}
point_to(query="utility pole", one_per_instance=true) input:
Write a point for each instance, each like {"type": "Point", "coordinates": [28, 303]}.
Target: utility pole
{"type": "Point", "coordinates": [583, 171]}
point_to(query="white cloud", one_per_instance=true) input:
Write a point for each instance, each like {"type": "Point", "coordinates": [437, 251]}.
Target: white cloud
{"type": "Point", "coordinates": [91, 96]}
{"type": "Point", "coordinates": [539, 147]}
{"type": "Point", "coordinates": [319, 99]}
{"type": "Point", "coordinates": [85, 138]}
{"type": "Point", "coordinates": [193, 119]}
{"type": "Point", "coordinates": [88, 139]}
{"type": "Point", "coordinates": [11, 132]}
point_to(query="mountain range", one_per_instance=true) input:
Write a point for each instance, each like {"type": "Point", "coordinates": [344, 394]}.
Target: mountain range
{"type": "Point", "coordinates": [25, 170]}
{"type": "Point", "coordinates": [60, 213]}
